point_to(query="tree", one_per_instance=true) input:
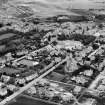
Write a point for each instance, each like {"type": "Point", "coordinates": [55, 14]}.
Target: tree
{"type": "Point", "coordinates": [71, 65]}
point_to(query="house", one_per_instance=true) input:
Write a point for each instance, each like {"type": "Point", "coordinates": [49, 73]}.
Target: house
{"type": "Point", "coordinates": [31, 77]}
{"type": "Point", "coordinates": [50, 92]}
{"type": "Point", "coordinates": [29, 63]}
{"type": "Point", "coordinates": [5, 78]}
{"type": "Point", "coordinates": [43, 82]}
{"type": "Point", "coordinates": [9, 71]}
{"type": "Point", "coordinates": [54, 85]}
{"type": "Point", "coordinates": [66, 96]}
{"type": "Point", "coordinates": [11, 87]}
{"type": "Point", "coordinates": [1, 84]}
{"type": "Point", "coordinates": [77, 89]}
{"type": "Point", "coordinates": [9, 57]}
{"type": "Point", "coordinates": [2, 60]}
{"type": "Point", "coordinates": [29, 57]}
{"type": "Point", "coordinates": [97, 34]}
{"type": "Point", "coordinates": [101, 88]}
{"type": "Point", "coordinates": [80, 79]}
{"type": "Point", "coordinates": [31, 90]}
{"type": "Point", "coordinates": [90, 101]}
{"type": "Point", "coordinates": [103, 81]}
{"type": "Point", "coordinates": [69, 45]}
{"type": "Point", "coordinates": [20, 53]}
{"type": "Point", "coordinates": [88, 72]}
{"type": "Point", "coordinates": [15, 64]}
{"type": "Point", "coordinates": [20, 81]}
{"type": "Point", "coordinates": [3, 91]}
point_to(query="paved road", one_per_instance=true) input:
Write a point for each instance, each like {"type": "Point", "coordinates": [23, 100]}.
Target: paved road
{"type": "Point", "coordinates": [30, 84]}
{"type": "Point", "coordinates": [99, 77]}
{"type": "Point", "coordinates": [16, 60]}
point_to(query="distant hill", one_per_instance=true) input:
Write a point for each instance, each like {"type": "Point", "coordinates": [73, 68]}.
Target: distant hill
{"type": "Point", "coordinates": [3, 1]}
{"type": "Point", "coordinates": [47, 8]}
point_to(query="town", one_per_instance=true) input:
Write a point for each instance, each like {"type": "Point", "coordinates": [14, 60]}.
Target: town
{"type": "Point", "coordinates": [58, 60]}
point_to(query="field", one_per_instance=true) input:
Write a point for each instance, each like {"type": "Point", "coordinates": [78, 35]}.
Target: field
{"type": "Point", "coordinates": [45, 8]}
{"type": "Point", "coordinates": [22, 100]}
{"type": "Point", "coordinates": [5, 36]}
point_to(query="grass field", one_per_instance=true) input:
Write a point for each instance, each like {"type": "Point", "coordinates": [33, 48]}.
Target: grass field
{"type": "Point", "coordinates": [5, 36]}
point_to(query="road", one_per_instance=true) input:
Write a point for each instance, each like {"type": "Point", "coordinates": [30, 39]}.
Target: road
{"type": "Point", "coordinates": [30, 84]}
{"type": "Point", "coordinates": [99, 77]}
{"type": "Point", "coordinates": [18, 59]}
{"type": "Point", "coordinates": [29, 54]}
